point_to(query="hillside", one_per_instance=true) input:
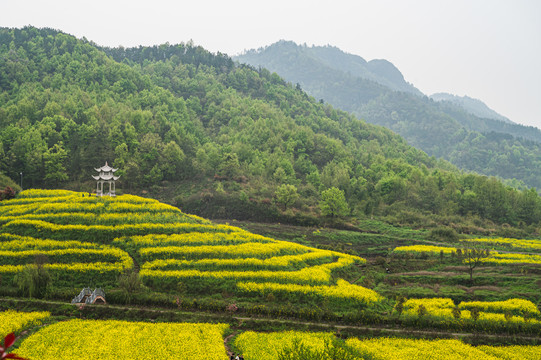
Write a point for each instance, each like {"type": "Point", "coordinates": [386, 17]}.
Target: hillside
{"type": "Point", "coordinates": [443, 129]}
{"type": "Point", "coordinates": [224, 140]}
{"type": "Point", "coordinates": [182, 282]}
{"type": "Point", "coordinates": [91, 241]}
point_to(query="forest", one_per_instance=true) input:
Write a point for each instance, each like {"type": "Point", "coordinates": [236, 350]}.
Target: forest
{"type": "Point", "coordinates": [377, 92]}
{"type": "Point", "coordinates": [221, 139]}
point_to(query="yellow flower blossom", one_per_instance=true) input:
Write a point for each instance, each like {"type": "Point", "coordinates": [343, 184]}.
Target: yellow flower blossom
{"type": "Point", "coordinates": [123, 340]}
{"type": "Point", "coordinates": [15, 321]}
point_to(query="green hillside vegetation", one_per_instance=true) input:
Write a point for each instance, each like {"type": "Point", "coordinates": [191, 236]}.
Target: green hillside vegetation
{"type": "Point", "coordinates": [220, 139]}
{"type": "Point", "coordinates": [7, 182]}
{"type": "Point", "coordinates": [442, 129]}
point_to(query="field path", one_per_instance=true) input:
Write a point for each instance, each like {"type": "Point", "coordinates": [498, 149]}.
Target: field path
{"type": "Point", "coordinates": [226, 342]}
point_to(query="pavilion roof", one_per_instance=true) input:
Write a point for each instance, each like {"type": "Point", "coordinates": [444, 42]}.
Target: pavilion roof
{"type": "Point", "coordinates": [105, 177]}
{"type": "Point", "coordinates": [105, 168]}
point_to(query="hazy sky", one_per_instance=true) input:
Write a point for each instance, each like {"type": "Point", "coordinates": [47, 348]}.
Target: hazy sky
{"type": "Point", "coordinates": [486, 49]}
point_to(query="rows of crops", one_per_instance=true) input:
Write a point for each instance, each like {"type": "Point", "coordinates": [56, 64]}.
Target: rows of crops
{"type": "Point", "coordinates": [97, 239]}
{"type": "Point", "coordinates": [499, 312]}
{"type": "Point", "coordinates": [482, 315]}
{"type": "Point", "coordinates": [174, 250]}
{"type": "Point", "coordinates": [88, 261]}
{"type": "Point", "coordinates": [529, 245]}
{"type": "Point", "coordinates": [494, 257]}
{"type": "Point", "coordinates": [268, 346]}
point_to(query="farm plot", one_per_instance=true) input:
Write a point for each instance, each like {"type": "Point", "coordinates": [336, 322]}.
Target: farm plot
{"type": "Point", "coordinates": [14, 321]}
{"type": "Point", "coordinates": [96, 239]}
{"type": "Point", "coordinates": [111, 339]}
{"type": "Point", "coordinates": [290, 344]}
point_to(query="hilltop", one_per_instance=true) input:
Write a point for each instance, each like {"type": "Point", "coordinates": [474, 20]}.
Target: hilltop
{"type": "Point", "coordinates": [224, 140]}
{"type": "Point", "coordinates": [462, 131]}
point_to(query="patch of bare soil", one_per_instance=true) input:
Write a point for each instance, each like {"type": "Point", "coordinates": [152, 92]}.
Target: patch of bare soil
{"type": "Point", "coordinates": [428, 273]}
{"type": "Point", "coordinates": [226, 343]}
{"type": "Point", "coordinates": [456, 268]}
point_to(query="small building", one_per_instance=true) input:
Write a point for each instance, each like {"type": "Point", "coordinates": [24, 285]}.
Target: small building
{"type": "Point", "coordinates": [106, 174]}
{"type": "Point", "coordinates": [87, 296]}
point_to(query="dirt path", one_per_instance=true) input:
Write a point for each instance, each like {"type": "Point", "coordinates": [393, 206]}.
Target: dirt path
{"type": "Point", "coordinates": [226, 342]}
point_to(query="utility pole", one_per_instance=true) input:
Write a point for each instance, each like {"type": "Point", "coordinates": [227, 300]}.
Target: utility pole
{"type": "Point", "coordinates": [21, 181]}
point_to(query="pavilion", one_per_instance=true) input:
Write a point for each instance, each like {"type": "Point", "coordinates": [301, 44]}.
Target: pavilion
{"type": "Point", "coordinates": [106, 175]}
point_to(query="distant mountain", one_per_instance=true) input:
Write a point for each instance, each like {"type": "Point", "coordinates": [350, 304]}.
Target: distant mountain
{"type": "Point", "coordinates": [473, 106]}
{"type": "Point", "coordinates": [378, 93]}
{"type": "Point", "coordinates": [285, 57]}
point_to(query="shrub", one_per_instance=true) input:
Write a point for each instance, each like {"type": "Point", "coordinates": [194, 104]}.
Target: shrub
{"type": "Point", "coordinates": [443, 233]}
{"type": "Point", "coordinates": [7, 193]}
{"type": "Point", "coordinates": [33, 280]}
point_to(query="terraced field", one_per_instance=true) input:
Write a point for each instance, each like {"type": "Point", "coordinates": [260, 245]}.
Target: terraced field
{"type": "Point", "coordinates": [90, 242]}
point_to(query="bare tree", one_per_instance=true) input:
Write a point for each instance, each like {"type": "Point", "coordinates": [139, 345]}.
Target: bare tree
{"type": "Point", "coordinates": [473, 258]}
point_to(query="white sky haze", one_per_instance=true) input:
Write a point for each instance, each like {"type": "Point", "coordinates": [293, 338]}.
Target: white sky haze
{"type": "Point", "coordinates": [486, 49]}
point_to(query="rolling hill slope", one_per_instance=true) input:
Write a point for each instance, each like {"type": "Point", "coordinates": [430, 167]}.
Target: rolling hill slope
{"type": "Point", "coordinates": [90, 241]}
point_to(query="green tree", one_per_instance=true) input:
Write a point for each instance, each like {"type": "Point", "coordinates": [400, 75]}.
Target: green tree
{"type": "Point", "coordinates": [230, 166]}
{"type": "Point", "coordinates": [399, 307]}
{"type": "Point", "coordinates": [421, 311]}
{"type": "Point", "coordinates": [34, 279]}
{"type": "Point", "coordinates": [55, 170]}
{"type": "Point", "coordinates": [286, 195]}
{"type": "Point", "coordinates": [172, 158]}
{"type": "Point", "coordinates": [333, 203]}
{"type": "Point", "coordinates": [474, 312]}
{"type": "Point", "coordinates": [456, 312]}
{"type": "Point", "coordinates": [130, 283]}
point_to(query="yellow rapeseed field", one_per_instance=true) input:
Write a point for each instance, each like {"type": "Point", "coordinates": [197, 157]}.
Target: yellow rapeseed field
{"type": "Point", "coordinates": [267, 346]}
{"type": "Point", "coordinates": [494, 257]}
{"type": "Point", "coordinates": [122, 340]}
{"type": "Point", "coordinates": [94, 236]}
{"type": "Point", "coordinates": [342, 290]}
{"type": "Point", "coordinates": [15, 321]}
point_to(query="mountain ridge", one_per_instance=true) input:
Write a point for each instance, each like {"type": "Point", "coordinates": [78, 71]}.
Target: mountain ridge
{"type": "Point", "coordinates": [380, 71]}
{"type": "Point", "coordinates": [473, 106]}
{"type": "Point", "coordinates": [442, 129]}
